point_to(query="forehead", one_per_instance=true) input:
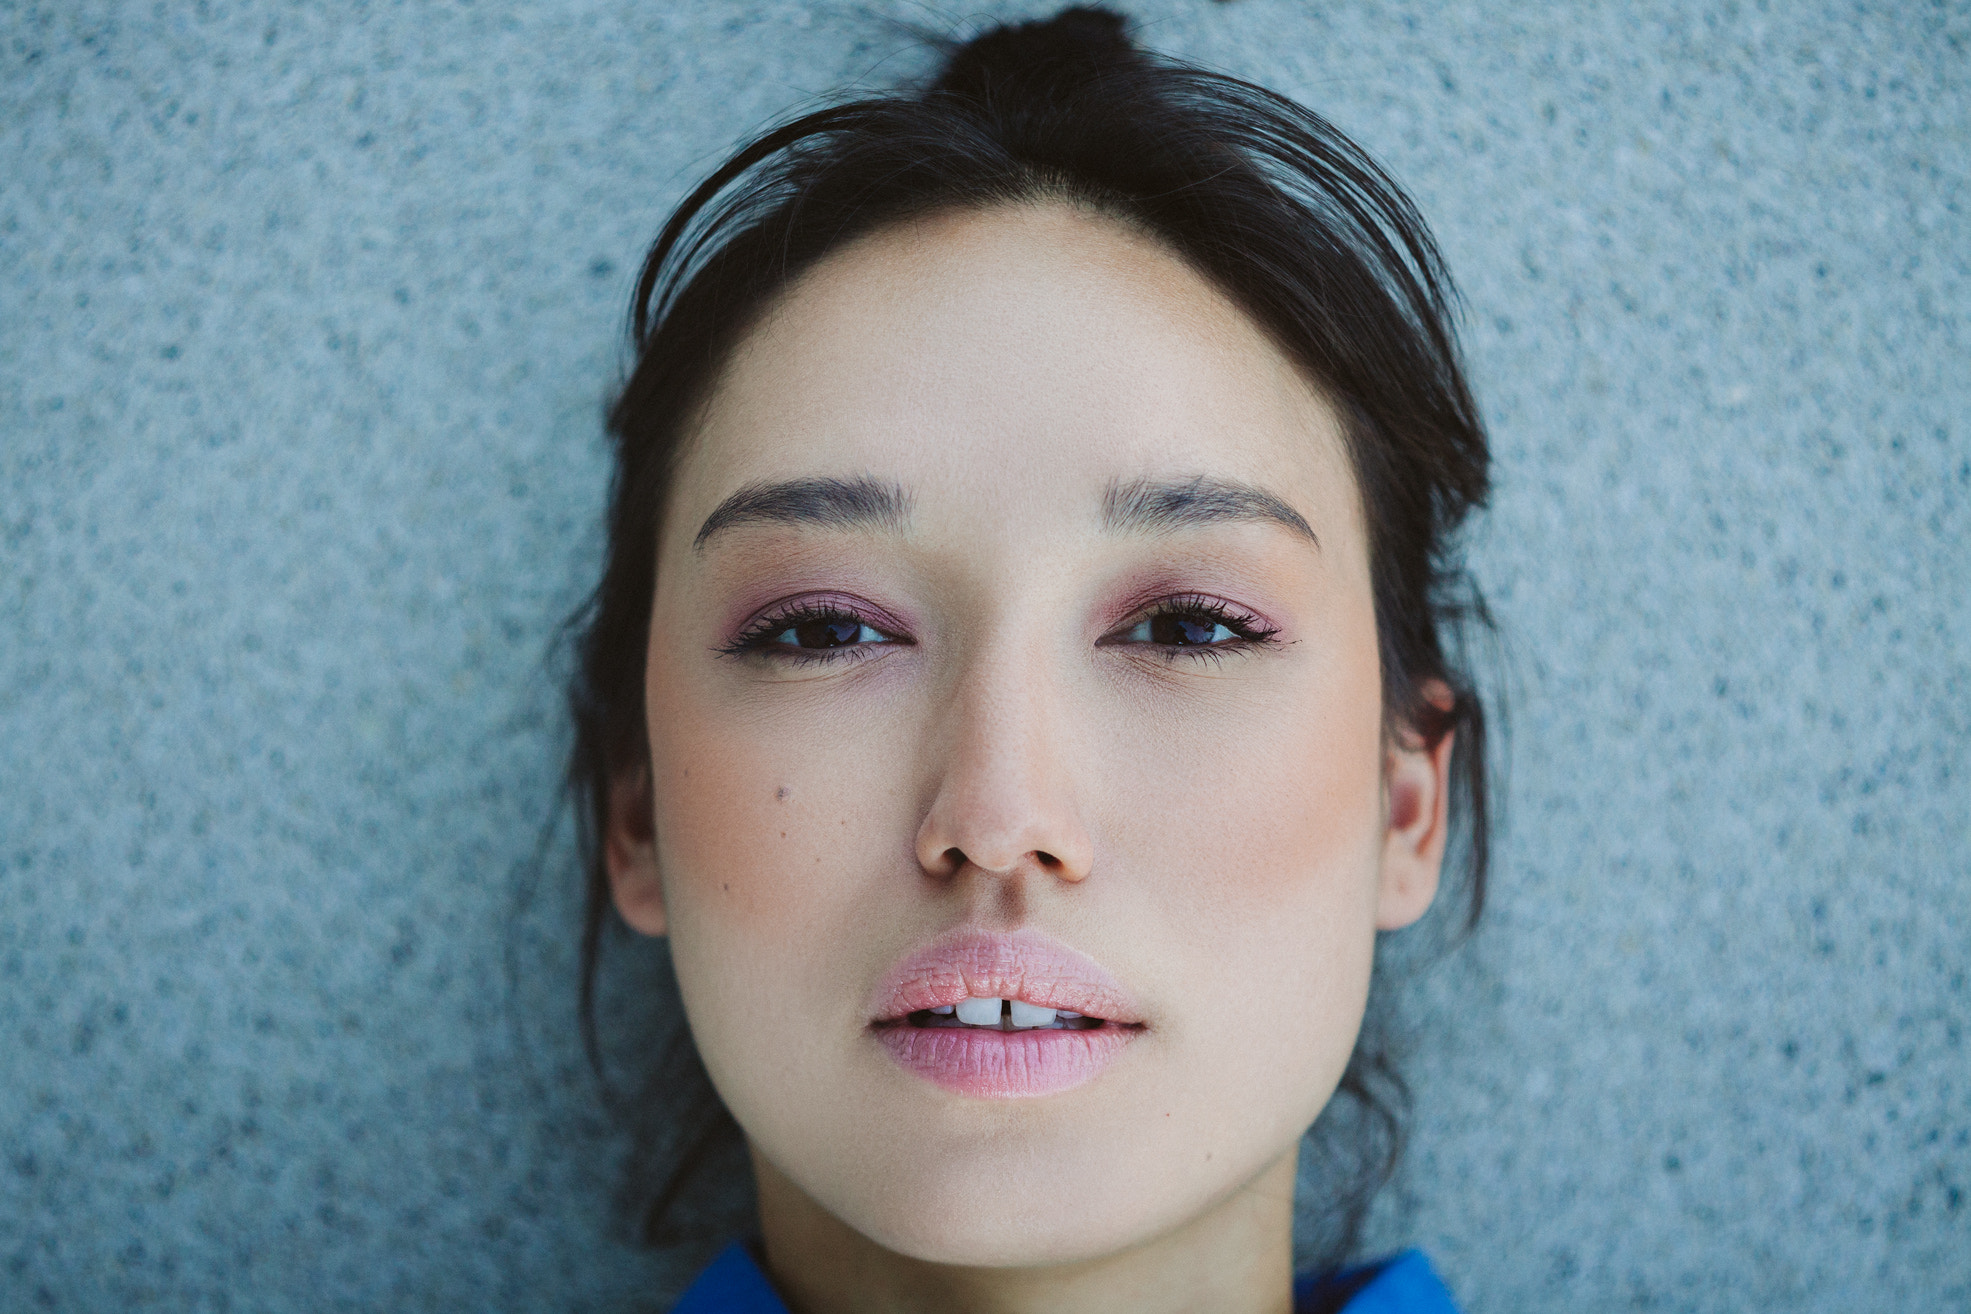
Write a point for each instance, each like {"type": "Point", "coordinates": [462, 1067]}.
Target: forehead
{"type": "Point", "coordinates": [1009, 361]}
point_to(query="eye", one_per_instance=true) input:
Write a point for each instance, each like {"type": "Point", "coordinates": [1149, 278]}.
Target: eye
{"type": "Point", "coordinates": [826, 632]}
{"type": "Point", "coordinates": [1173, 629]}
{"type": "Point", "coordinates": [1202, 623]}
{"type": "Point", "coordinates": [816, 632]}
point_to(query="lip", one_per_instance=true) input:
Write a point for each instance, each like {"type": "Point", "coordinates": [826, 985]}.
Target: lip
{"type": "Point", "coordinates": [1025, 965]}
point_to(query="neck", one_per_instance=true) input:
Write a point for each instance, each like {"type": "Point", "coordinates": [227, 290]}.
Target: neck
{"type": "Point", "coordinates": [1236, 1257]}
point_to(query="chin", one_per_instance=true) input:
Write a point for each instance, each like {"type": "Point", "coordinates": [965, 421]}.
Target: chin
{"type": "Point", "coordinates": [1007, 1195]}
{"type": "Point", "coordinates": [1026, 1225]}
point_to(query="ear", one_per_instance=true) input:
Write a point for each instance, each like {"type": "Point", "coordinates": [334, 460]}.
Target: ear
{"type": "Point", "coordinates": [1416, 790]}
{"type": "Point", "coordinates": [629, 852]}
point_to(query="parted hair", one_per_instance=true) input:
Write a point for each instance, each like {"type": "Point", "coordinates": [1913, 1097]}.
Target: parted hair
{"type": "Point", "coordinates": [1264, 198]}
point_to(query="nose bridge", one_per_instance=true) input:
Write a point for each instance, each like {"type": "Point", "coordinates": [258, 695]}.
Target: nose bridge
{"type": "Point", "coordinates": [1004, 789]}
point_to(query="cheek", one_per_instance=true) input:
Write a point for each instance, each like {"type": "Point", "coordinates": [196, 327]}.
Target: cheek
{"type": "Point", "coordinates": [772, 829]}
{"type": "Point", "coordinates": [1270, 812]}
{"type": "Point", "coordinates": [1263, 861]}
{"type": "Point", "coordinates": [730, 831]}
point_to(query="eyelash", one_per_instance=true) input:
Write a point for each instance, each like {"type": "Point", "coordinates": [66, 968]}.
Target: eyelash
{"type": "Point", "coordinates": [1247, 632]}
{"type": "Point", "coordinates": [757, 638]}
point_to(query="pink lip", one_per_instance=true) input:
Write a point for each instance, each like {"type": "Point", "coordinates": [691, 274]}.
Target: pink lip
{"type": "Point", "coordinates": [1024, 965]}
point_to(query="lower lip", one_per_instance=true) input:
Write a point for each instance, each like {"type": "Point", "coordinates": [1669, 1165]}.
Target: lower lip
{"type": "Point", "coordinates": [988, 1064]}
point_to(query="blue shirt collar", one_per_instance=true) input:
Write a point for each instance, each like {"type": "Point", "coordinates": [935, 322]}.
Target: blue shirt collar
{"type": "Point", "coordinates": [734, 1284]}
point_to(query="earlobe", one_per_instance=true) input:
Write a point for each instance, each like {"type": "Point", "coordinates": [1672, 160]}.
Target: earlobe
{"type": "Point", "coordinates": [629, 852]}
{"type": "Point", "coordinates": [1417, 782]}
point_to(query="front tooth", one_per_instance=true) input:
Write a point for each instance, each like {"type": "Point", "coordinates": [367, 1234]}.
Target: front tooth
{"type": "Point", "coordinates": [1031, 1015]}
{"type": "Point", "coordinates": [980, 1012]}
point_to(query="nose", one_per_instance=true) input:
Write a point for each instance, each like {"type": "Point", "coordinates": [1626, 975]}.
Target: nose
{"type": "Point", "coordinates": [1004, 801]}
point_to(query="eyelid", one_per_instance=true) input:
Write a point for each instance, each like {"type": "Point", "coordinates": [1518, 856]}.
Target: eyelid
{"type": "Point", "coordinates": [821, 603]}
{"type": "Point", "coordinates": [791, 610]}
{"type": "Point", "coordinates": [1234, 615]}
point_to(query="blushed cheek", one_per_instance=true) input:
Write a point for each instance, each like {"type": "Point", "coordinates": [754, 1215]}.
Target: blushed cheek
{"type": "Point", "coordinates": [729, 847]}
{"type": "Point", "coordinates": [728, 825]}
{"type": "Point", "coordinates": [1318, 865]}
{"type": "Point", "coordinates": [770, 848]}
{"type": "Point", "coordinates": [768, 827]}
{"type": "Point", "coordinates": [1265, 850]}
{"type": "Point", "coordinates": [1277, 817]}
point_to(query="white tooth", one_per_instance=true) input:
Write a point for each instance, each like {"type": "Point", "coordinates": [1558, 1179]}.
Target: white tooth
{"type": "Point", "coordinates": [1066, 1015]}
{"type": "Point", "coordinates": [980, 1012]}
{"type": "Point", "coordinates": [942, 1010]}
{"type": "Point", "coordinates": [1031, 1015]}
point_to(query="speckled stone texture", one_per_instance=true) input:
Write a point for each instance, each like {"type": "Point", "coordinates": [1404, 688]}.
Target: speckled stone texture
{"type": "Point", "coordinates": [307, 316]}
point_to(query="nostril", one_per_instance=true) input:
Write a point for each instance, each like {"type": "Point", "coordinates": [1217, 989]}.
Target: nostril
{"type": "Point", "coordinates": [954, 860]}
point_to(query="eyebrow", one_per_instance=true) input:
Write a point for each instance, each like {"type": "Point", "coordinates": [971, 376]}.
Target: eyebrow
{"type": "Point", "coordinates": [863, 503]}
{"type": "Point", "coordinates": [1155, 506]}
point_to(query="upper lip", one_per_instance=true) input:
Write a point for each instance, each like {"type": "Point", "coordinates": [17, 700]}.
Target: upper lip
{"type": "Point", "coordinates": [1027, 965]}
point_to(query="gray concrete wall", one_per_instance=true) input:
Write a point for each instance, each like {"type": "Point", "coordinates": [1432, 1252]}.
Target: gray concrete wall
{"type": "Point", "coordinates": [307, 312]}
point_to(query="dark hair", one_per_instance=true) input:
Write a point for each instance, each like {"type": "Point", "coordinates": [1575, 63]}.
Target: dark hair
{"type": "Point", "coordinates": [1265, 199]}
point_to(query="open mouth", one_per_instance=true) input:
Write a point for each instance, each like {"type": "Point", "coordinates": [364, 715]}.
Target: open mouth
{"type": "Point", "coordinates": [1003, 1015]}
{"type": "Point", "coordinates": [992, 1047]}
{"type": "Point", "coordinates": [996, 1014]}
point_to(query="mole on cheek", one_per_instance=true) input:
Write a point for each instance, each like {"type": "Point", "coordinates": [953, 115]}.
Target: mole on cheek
{"type": "Point", "coordinates": [781, 793]}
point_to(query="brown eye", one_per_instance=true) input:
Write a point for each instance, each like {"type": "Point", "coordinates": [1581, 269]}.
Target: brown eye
{"type": "Point", "coordinates": [826, 632]}
{"type": "Point", "coordinates": [1180, 629]}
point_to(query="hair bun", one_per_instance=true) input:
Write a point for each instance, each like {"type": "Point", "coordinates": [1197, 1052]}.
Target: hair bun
{"type": "Point", "coordinates": [1051, 56]}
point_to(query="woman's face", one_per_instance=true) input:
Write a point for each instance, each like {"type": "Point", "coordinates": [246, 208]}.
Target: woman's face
{"type": "Point", "coordinates": [1013, 640]}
